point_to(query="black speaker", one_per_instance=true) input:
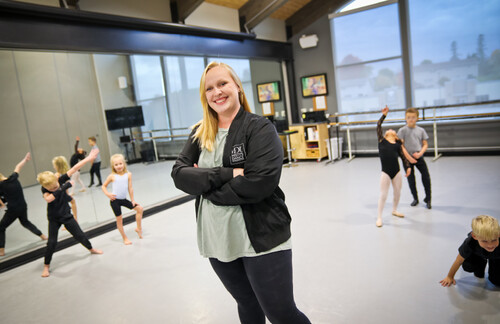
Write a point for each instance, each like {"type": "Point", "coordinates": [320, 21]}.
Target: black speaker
{"type": "Point", "coordinates": [125, 139]}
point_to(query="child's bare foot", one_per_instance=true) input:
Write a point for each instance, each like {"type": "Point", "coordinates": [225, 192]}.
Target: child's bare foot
{"type": "Point", "coordinates": [45, 272]}
{"type": "Point", "coordinates": [379, 222]}
{"type": "Point", "coordinates": [95, 251]}
{"type": "Point", "coordinates": [397, 214]}
{"type": "Point", "coordinates": [139, 232]}
{"type": "Point", "coordinates": [127, 241]}
{"type": "Point", "coordinates": [43, 237]}
{"type": "Point", "coordinates": [2, 251]}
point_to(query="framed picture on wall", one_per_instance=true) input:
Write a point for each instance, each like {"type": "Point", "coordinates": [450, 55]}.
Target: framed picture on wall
{"type": "Point", "coordinates": [314, 85]}
{"type": "Point", "coordinates": [269, 91]}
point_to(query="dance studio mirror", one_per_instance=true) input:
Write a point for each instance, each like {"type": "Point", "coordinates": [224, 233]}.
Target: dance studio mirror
{"type": "Point", "coordinates": [51, 97]}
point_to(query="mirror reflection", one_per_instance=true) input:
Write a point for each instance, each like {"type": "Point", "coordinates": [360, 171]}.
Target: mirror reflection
{"type": "Point", "coordinates": [50, 99]}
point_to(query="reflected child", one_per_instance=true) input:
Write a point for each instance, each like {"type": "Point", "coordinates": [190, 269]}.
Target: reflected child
{"type": "Point", "coordinates": [122, 183]}
{"type": "Point", "coordinates": [58, 211]}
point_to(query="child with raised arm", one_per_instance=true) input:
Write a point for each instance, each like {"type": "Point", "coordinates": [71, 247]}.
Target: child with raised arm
{"type": "Point", "coordinates": [480, 247]}
{"type": "Point", "coordinates": [96, 163]}
{"type": "Point", "coordinates": [75, 158]}
{"type": "Point", "coordinates": [12, 192]}
{"type": "Point", "coordinates": [58, 211]}
{"type": "Point", "coordinates": [390, 148]}
{"type": "Point", "coordinates": [122, 183]}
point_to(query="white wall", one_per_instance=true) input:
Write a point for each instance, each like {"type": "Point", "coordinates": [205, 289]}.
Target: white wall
{"type": "Point", "coordinates": [271, 29]}
{"type": "Point", "coordinates": [213, 16]}
{"type": "Point", "coordinates": [146, 9]}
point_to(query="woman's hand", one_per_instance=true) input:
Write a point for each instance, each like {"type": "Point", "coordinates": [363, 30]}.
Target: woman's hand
{"type": "Point", "coordinates": [238, 172]}
{"type": "Point", "coordinates": [408, 172]}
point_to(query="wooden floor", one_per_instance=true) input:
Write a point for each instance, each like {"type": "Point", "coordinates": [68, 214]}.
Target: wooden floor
{"type": "Point", "coordinates": [346, 270]}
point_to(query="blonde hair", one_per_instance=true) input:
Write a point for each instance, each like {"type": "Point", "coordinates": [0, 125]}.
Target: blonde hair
{"type": "Point", "coordinates": [208, 126]}
{"type": "Point", "coordinates": [2, 177]}
{"type": "Point", "coordinates": [93, 139]}
{"type": "Point", "coordinates": [118, 156]}
{"type": "Point", "coordinates": [486, 227]}
{"type": "Point", "coordinates": [60, 164]}
{"type": "Point", "coordinates": [46, 179]}
{"type": "Point", "coordinates": [412, 111]}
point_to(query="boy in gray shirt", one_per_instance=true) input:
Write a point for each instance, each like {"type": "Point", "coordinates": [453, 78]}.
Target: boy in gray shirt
{"type": "Point", "coordinates": [414, 139]}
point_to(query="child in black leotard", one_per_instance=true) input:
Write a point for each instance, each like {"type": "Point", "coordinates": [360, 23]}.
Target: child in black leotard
{"type": "Point", "coordinates": [58, 211]}
{"type": "Point", "coordinates": [11, 190]}
{"type": "Point", "coordinates": [389, 148]}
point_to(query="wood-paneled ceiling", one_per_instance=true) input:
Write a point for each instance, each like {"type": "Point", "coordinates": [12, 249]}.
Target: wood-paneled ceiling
{"type": "Point", "coordinates": [297, 14]}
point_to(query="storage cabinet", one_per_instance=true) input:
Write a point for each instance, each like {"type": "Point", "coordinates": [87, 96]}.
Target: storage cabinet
{"type": "Point", "coordinates": [309, 142]}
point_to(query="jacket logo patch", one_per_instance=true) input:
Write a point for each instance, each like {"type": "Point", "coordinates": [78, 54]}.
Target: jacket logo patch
{"type": "Point", "coordinates": [238, 154]}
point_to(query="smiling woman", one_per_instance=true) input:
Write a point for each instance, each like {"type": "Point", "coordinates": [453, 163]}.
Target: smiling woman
{"type": "Point", "coordinates": [232, 162]}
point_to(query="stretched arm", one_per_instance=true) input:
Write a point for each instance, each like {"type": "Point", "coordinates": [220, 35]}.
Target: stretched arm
{"type": "Point", "coordinates": [262, 170]}
{"type": "Point", "coordinates": [193, 180]}
{"type": "Point", "coordinates": [78, 166]}
{"type": "Point", "coordinates": [76, 144]}
{"type": "Point", "coordinates": [406, 154]}
{"type": "Point", "coordinates": [379, 128]}
{"type": "Point", "coordinates": [449, 280]}
{"type": "Point", "coordinates": [20, 165]}
{"type": "Point", "coordinates": [406, 163]}
{"type": "Point", "coordinates": [50, 197]}
{"type": "Point", "coordinates": [104, 187]}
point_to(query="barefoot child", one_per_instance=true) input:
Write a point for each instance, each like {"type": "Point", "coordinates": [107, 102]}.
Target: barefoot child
{"type": "Point", "coordinates": [122, 183]}
{"type": "Point", "coordinates": [58, 210]}
{"type": "Point", "coordinates": [389, 148]}
{"type": "Point", "coordinates": [11, 190]}
{"type": "Point", "coordinates": [480, 247]}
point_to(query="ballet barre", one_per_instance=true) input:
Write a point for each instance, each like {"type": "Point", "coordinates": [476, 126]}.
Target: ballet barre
{"type": "Point", "coordinates": [434, 118]}
{"type": "Point", "coordinates": [154, 138]}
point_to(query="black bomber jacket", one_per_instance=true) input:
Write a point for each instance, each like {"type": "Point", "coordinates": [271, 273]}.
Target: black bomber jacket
{"type": "Point", "coordinates": [252, 144]}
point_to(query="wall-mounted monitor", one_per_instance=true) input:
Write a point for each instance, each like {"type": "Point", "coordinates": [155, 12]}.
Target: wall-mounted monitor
{"type": "Point", "coordinates": [269, 91]}
{"type": "Point", "coordinates": [314, 85]}
{"type": "Point", "coordinates": [124, 117]}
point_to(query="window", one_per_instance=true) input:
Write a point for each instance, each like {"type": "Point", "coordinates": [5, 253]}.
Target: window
{"type": "Point", "coordinates": [150, 91]}
{"type": "Point", "coordinates": [368, 62]}
{"type": "Point", "coordinates": [456, 53]}
{"type": "Point", "coordinates": [183, 74]}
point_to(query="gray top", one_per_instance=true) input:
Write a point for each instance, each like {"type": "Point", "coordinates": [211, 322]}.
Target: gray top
{"type": "Point", "coordinates": [98, 158]}
{"type": "Point", "coordinates": [412, 138]}
{"type": "Point", "coordinates": [222, 231]}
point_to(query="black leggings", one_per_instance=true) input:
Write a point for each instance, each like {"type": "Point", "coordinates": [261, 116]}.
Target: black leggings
{"type": "Point", "coordinates": [95, 168]}
{"type": "Point", "coordinates": [476, 264]}
{"type": "Point", "coordinates": [72, 227]}
{"type": "Point", "coordinates": [262, 287]}
{"type": "Point", "coordinates": [9, 217]}
{"type": "Point", "coordinates": [426, 179]}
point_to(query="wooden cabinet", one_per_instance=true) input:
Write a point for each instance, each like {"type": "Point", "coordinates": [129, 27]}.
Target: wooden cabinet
{"type": "Point", "coordinates": [309, 142]}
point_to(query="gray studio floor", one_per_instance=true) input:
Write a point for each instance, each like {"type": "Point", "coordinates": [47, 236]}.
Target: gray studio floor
{"type": "Point", "coordinates": [346, 270]}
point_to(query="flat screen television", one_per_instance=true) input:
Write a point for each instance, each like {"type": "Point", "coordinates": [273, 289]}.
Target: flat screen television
{"type": "Point", "coordinates": [124, 117]}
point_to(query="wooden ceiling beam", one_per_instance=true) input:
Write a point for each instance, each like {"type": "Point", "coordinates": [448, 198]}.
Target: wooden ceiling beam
{"type": "Point", "coordinates": [181, 9]}
{"type": "Point", "coordinates": [254, 12]}
{"type": "Point", "coordinates": [310, 13]}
